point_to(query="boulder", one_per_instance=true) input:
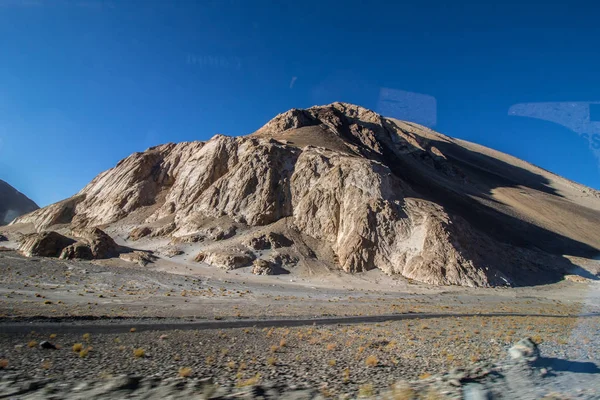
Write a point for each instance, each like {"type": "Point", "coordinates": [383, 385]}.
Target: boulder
{"type": "Point", "coordinates": [525, 350]}
{"type": "Point", "coordinates": [262, 267]}
{"type": "Point", "coordinates": [100, 244]}
{"type": "Point", "coordinates": [142, 258]}
{"type": "Point", "coordinates": [138, 233]}
{"type": "Point", "coordinates": [44, 244]}
{"type": "Point", "coordinates": [270, 240]}
{"type": "Point", "coordinates": [77, 250]}
{"type": "Point", "coordinates": [226, 260]}
{"type": "Point", "coordinates": [3, 238]}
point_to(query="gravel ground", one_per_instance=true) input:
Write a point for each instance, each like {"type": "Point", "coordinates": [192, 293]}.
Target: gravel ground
{"type": "Point", "coordinates": [433, 357]}
{"type": "Point", "coordinates": [333, 359]}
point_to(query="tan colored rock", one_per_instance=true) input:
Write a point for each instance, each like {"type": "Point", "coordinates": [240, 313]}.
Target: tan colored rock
{"type": "Point", "coordinates": [100, 243]}
{"type": "Point", "coordinates": [140, 232]}
{"type": "Point", "coordinates": [142, 258]}
{"type": "Point", "coordinates": [226, 260]}
{"type": "Point", "coordinates": [45, 244]}
{"type": "Point", "coordinates": [373, 191]}
{"type": "Point", "coordinates": [262, 267]}
{"type": "Point", "coordinates": [78, 250]}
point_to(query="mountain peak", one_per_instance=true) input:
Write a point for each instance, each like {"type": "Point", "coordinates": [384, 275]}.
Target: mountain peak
{"type": "Point", "coordinates": [13, 203]}
{"type": "Point", "coordinates": [351, 190]}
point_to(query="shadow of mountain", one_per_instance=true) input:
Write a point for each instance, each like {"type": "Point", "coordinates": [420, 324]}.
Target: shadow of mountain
{"type": "Point", "coordinates": [463, 182]}
{"type": "Point", "coordinates": [559, 364]}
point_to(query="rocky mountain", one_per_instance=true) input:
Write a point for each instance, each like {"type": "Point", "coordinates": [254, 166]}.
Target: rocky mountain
{"type": "Point", "coordinates": [13, 203]}
{"type": "Point", "coordinates": [348, 189]}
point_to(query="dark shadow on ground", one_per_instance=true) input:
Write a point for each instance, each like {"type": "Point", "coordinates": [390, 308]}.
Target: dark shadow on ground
{"type": "Point", "coordinates": [559, 364]}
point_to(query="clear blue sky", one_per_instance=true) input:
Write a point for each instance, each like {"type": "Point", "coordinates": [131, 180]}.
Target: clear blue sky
{"type": "Point", "coordinates": [84, 83]}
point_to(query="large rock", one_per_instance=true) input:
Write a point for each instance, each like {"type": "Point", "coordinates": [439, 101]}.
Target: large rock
{"type": "Point", "coordinates": [262, 267]}
{"type": "Point", "coordinates": [44, 244]}
{"type": "Point", "coordinates": [142, 258]}
{"type": "Point", "coordinates": [525, 350]}
{"type": "Point", "coordinates": [100, 243]}
{"type": "Point", "coordinates": [226, 260]}
{"type": "Point", "coordinates": [364, 190]}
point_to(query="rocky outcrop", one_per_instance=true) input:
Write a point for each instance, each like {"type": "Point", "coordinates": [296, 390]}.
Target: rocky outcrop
{"type": "Point", "coordinates": [85, 244]}
{"type": "Point", "coordinates": [142, 258]}
{"type": "Point", "coordinates": [101, 245]}
{"type": "Point", "coordinates": [270, 240]}
{"type": "Point", "coordinates": [13, 203]}
{"type": "Point", "coordinates": [44, 244]}
{"type": "Point", "coordinates": [377, 193]}
{"type": "Point", "coordinates": [226, 260]}
{"type": "Point", "coordinates": [262, 267]}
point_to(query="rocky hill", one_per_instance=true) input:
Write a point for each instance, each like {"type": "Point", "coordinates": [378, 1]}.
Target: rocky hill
{"type": "Point", "coordinates": [13, 203]}
{"type": "Point", "coordinates": [348, 189]}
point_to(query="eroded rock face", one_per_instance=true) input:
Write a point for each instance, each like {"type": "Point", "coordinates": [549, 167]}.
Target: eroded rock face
{"type": "Point", "coordinates": [262, 267]}
{"type": "Point", "coordinates": [226, 260]}
{"type": "Point", "coordinates": [101, 245]}
{"type": "Point", "coordinates": [44, 244]}
{"type": "Point", "coordinates": [340, 174]}
{"type": "Point", "coordinates": [77, 251]}
{"type": "Point", "coordinates": [142, 258]}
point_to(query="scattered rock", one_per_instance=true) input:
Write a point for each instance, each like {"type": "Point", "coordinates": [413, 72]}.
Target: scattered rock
{"type": "Point", "coordinates": [143, 258]}
{"type": "Point", "coordinates": [101, 244]}
{"type": "Point", "coordinates": [45, 244]}
{"type": "Point", "coordinates": [140, 232]}
{"type": "Point", "coordinates": [525, 350]}
{"type": "Point", "coordinates": [170, 251]}
{"type": "Point", "coordinates": [262, 267]}
{"type": "Point", "coordinates": [77, 250]}
{"type": "Point", "coordinates": [47, 345]}
{"type": "Point", "coordinates": [225, 260]}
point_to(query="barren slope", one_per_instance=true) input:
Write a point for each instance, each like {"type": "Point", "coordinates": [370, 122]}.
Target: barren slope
{"type": "Point", "coordinates": [13, 203]}
{"type": "Point", "coordinates": [347, 189]}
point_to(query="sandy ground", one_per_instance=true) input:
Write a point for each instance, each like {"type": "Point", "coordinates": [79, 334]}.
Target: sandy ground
{"type": "Point", "coordinates": [336, 359]}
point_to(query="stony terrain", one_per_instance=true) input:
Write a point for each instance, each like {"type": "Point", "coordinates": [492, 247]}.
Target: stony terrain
{"type": "Point", "coordinates": [110, 318]}
{"type": "Point", "coordinates": [13, 203]}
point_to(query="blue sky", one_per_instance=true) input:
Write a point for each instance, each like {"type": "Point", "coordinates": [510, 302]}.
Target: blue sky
{"type": "Point", "coordinates": [84, 83]}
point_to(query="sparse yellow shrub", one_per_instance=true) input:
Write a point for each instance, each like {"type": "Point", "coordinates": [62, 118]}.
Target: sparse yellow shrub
{"type": "Point", "coordinates": [282, 343]}
{"type": "Point", "coordinates": [132, 330]}
{"type": "Point", "coordinates": [331, 346]}
{"type": "Point", "coordinates": [32, 344]}
{"type": "Point", "coordinates": [271, 361]}
{"type": "Point", "coordinates": [77, 347]}
{"type": "Point", "coordinates": [84, 353]}
{"type": "Point", "coordinates": [424, 375]}
{"type": "Point", "coordinates": [366, 391]}
{"type": "Point", "coordinates": [371, 361]}
{"type": "Point", "coordinates": [274, 349]}
{"type": "Point", "coordinates": [346, 375]}
{"type": "Point", "coordinates": [331, 363]}
{"type": "Point", "coordinates": [185, 372]}
{"type": "Point", "coordinates": [87, 337]}
{"type": "Point", "coordinates": [249, 382]}
{"type": "Point", "coordinates": [53, 336]}
{"type": "Point", "coordinates": [139, 353]}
